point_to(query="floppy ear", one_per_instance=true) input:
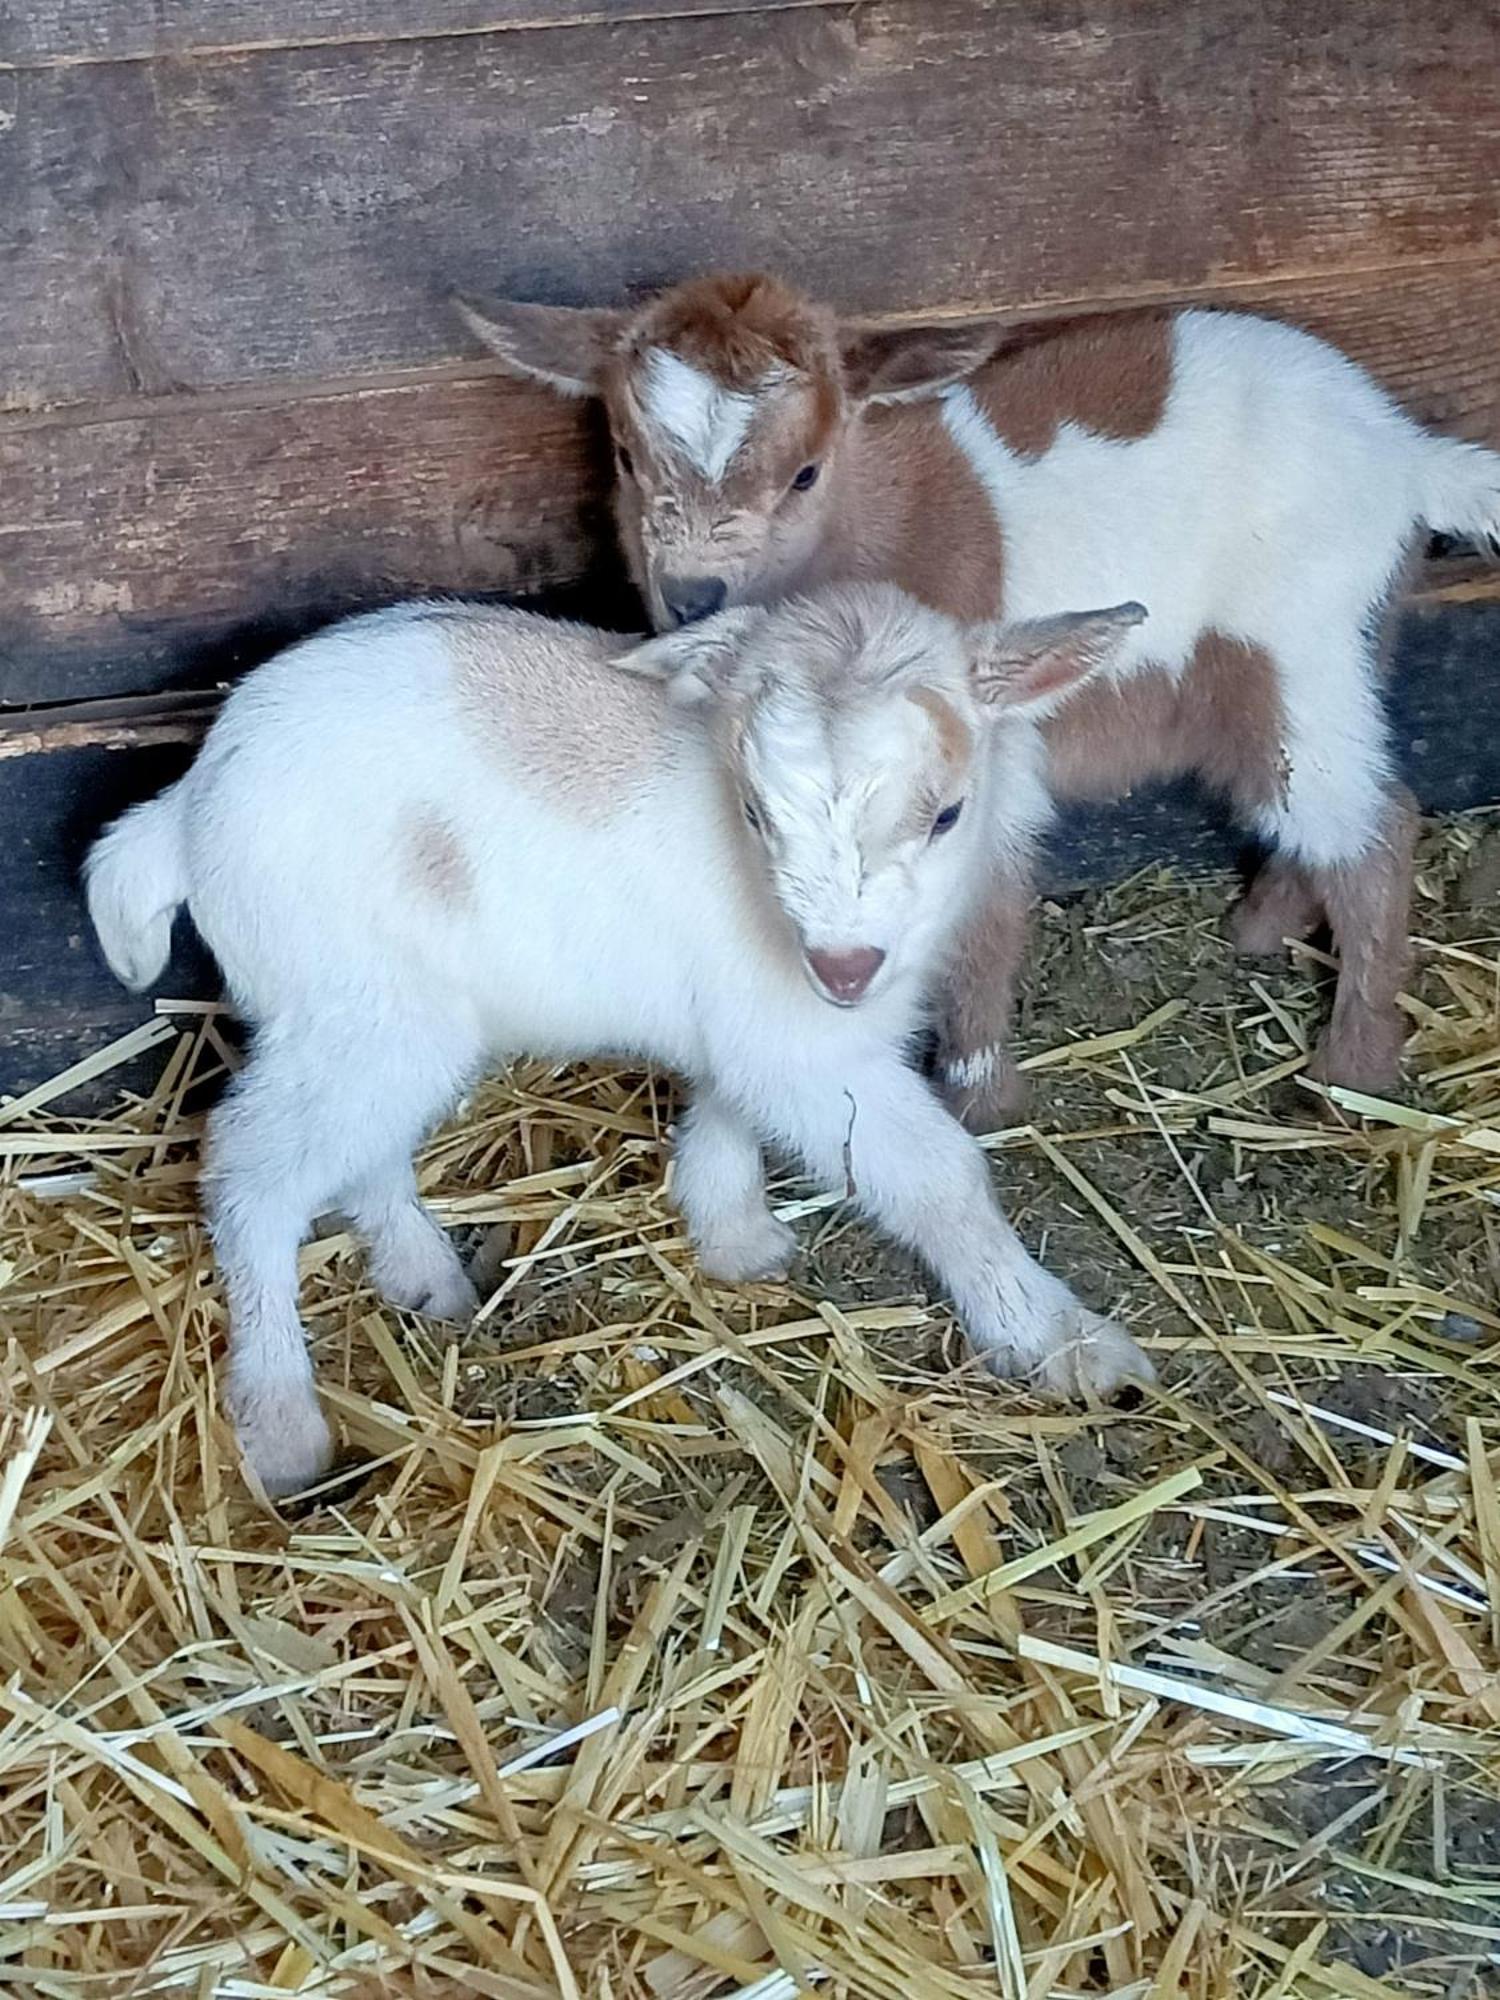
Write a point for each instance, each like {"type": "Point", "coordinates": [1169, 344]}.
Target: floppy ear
{"type": "Point", "coordinates": [1032, 666]}
{"type": "Point", "coordinates": [698, 661]}
{"type": "Point", "coordinates": [563, 346]}
{"type": "Point", "coordinates": [900, 364]}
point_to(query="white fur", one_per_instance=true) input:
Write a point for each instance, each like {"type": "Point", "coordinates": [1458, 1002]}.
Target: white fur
{"type": "Point", "coordinates": [706, 422]}
{"type": "Point", "coordinates": [1273, 503]}
{"type": "Point", "coordinates": [655, 925]}
{"type": "Point", "coordinates": [972, 1071]}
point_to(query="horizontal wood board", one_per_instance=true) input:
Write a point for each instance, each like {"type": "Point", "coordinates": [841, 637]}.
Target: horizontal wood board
{"type": "Point", "coordinates": [163, 543]}
{"type": "Point", "coordinates": [34, 33]}
{"type": "Point", "coordinates": [300, 213]}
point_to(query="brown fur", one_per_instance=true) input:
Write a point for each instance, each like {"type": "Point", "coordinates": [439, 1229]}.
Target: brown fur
{"type": "Point", "coordinates": [437, 864]}
{"type": "Point", "coordinates": [955, 738]}
{"type": "Point", "coordinates": [572, 728]}
{"type": "Point", "coordinates": [1368, 906]}
{"type": "Point", "coordinates": [1282, 902]}
{"type": "Point", "coordinates": [923, 521]}
{"type": "Point", "coordinates": [737, 328]}
{"type": "Point", "coordinates": [1221, 718]}
{"type": "Point", "coordinates": [980, 999]}
{"type": "Point", "coordinates": [1109, 376]}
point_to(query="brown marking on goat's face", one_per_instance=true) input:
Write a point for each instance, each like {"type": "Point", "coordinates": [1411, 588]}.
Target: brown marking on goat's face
{"type": "Point", "coordinates": [1222, 717]}
{"type": "Point", "coordinates": [895, 497]}
{"type": "Point", "coordinates": [436, 863]}
{"type": "Point", "coordinates": [558, 714]}
{"type": "Point", "coordinates": [1110, 376]}
{"type": "Point", "coordinates": [750, 527]}
{"type": "Point", "coordinates": [955, 738]}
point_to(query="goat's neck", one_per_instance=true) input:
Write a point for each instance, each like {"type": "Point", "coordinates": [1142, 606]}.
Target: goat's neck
{"type": "Point", "coordinates": [906, 506]}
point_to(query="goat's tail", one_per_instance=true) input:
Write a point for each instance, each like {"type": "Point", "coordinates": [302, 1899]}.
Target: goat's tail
{"type": "Point", "coordinates": [135, 879]}
{"type": "Point", "coordinates": [1458, 490]}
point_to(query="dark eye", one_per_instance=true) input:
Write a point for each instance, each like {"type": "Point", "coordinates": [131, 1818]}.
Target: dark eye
{"type": "Point", "coordinates": [752, 817]}
{"type": "Point", "coordinates": [808, 476]}
{"type": "Point", "coordinates": [947, 819]}
{"type": "Point", "coordinates": [623, 459]}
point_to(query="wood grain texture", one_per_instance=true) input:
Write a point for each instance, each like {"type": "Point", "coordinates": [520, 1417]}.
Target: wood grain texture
{"type": "Point", "coordinates": [178, 545]}
{"type": "Point", "coordinates": [34, 33]}
{"type": "Point", "coordinates": [57, 999]}
{"type": "Point", "coordinates": [300, 213]}
{"type": "Point", "coordinates": [174, 540]}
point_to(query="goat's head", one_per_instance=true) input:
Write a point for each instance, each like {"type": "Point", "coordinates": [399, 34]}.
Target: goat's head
{"type": "Point", "coordinates": [730, 401]}
{"type": "Point", "coordinates": [855, 727]}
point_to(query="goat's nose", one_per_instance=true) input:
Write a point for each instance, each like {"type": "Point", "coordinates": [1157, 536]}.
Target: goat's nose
{"type": "Point", "coordinates": [689, 598]}
{"type": "Point", "coordinates": [845, 975]}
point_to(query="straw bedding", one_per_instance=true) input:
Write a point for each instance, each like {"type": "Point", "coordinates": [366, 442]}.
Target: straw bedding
{"type": "Point", "coordinates": [677, 1640]}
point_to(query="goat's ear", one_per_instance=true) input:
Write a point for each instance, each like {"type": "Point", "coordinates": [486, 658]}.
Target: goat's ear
{"type": "Point", "coordinates": [901, 364]}
{"type": "Point", "coordinates": [701, 661]}
{"type": "Point", "coordinates": [1032, 666]}
{"type": "Point", "coordinates": [564, 346]}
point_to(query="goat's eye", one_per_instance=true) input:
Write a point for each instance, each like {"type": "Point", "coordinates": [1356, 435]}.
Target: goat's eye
{"type": "Point", "coordinates": [947, 819]}
{"type": "Point", "coordinates": [625, 462]}
{"type": "Point", "coordinates": [807, 477]}
{"type": "Point", "coordinates": [752, 817]}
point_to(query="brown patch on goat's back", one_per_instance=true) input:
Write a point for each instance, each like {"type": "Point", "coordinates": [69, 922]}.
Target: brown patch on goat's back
{"type": "Point", "coordinates": [435, 861]}
{"type": "Point", "coordinates": [544, 699]}
{"type": "Point", "coordinates": [1222, 718]}
{"type": "Point", "coordinates": [1109, 375]}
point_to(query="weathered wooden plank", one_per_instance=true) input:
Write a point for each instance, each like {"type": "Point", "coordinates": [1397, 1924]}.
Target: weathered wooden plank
{"type": "Point", "coordinates": [176, 539]}
{"type": "Point", "coordinates": [302, 212]}
{"type": "Point", "coordinates": [57, 999]}
{"type": "Point", "coordinates": [177, 545]}
{"type": "Point", "coordinates": [34, 33]}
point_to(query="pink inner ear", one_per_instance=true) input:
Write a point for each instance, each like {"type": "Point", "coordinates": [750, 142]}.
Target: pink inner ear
{"type": "Point", "coordinates": [1049, 673]}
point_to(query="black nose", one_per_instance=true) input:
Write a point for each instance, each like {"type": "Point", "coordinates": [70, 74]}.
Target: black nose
{"type": "Point", "coordinates": [689, 598]}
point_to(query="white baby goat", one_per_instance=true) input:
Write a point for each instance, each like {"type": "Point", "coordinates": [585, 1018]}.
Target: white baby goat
{"type": "Point", "coordinates": [445, 834]}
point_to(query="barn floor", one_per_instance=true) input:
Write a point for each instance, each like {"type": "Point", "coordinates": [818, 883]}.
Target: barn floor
{"type": "Point", "coordinates": [686, 1641]}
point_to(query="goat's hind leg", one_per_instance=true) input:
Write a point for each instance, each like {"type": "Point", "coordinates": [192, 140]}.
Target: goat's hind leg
{"type": "Point", "coordinates": [412, 1262]}
{"type": "Point", "coordinates": [264, 1183]}
{"type": "Point", "coordinates": [307, 1120]}
{"type": "Point", "coordinates": [1369, 909]}
{"type": "Point", "coordinates": [1281, 902]}
{"type": "Point", "coordinates": [1346, 826]}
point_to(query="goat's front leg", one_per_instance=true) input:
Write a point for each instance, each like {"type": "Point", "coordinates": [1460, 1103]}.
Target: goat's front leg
{"type": "Point", "coordinates": [879, 1133]}
{"type": "Point", "coordinates": [977, 1072]}
{"type": "Point", "coordinates": [719, 1183]}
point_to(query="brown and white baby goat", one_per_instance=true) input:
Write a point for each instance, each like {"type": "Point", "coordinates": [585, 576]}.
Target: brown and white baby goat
{"type": "Point", "coordinates": [743, 859]}
{"type": "Point", "coordinates": [1247, 481]}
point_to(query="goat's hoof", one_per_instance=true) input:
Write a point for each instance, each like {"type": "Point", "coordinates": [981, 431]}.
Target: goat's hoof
{"type": "Point", "coordinates": [282, 1433]}
{"type": "Point", "coordinates": [1366, 1057]}
{"type": "Point", "coordinates": [760, 1248]}
{"type": "Point", "coordinates": [1094, 1359]}
{"type": "Point", "coordinates": [1275, 907]}
{"type": "Point", "coordinates": [441, 1290]}
{"type": "Point", "coordinates": [455, 1300]}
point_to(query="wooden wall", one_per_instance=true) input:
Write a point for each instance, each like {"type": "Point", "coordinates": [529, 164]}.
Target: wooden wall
{"type": "Point", "coordinates": [233, 400]}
